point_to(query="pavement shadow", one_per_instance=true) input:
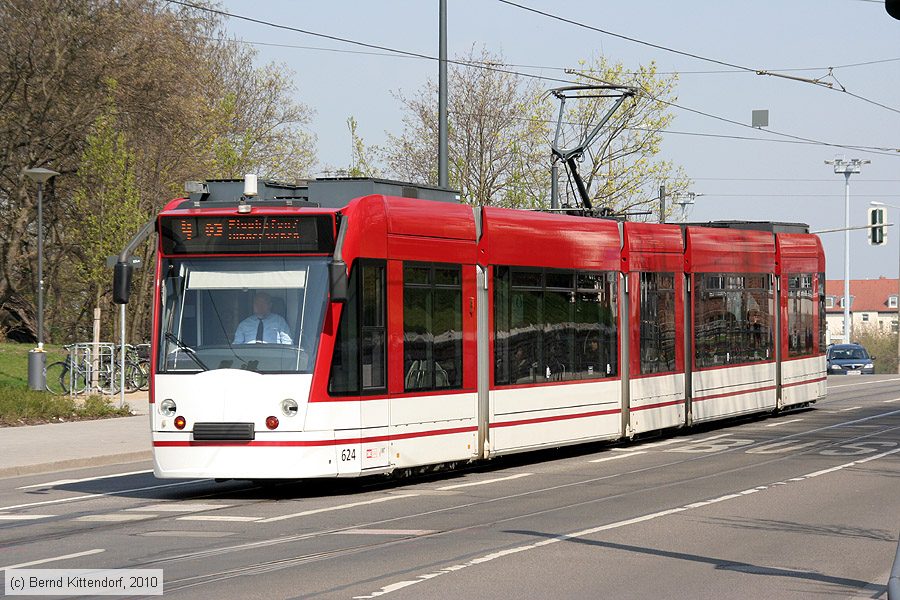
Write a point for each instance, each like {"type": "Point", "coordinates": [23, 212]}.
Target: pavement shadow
{"type": "Point", "coordinates": [840, 531]}
{"type": "Point", "coordinates": [717, 563]}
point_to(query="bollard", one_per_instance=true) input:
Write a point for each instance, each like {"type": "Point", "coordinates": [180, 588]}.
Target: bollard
{"type": "Point", "coordinates": [37, 373]}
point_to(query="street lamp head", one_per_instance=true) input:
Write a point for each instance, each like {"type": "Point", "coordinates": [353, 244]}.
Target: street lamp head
{"type": "Point", "coordinates": [39, 174]}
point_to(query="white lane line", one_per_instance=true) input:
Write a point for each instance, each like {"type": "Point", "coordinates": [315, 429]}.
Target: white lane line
{"type": "Point", "coordinates": [891, 400]}
{"type": "Point", "coordinates": [849, 409]}
{"type": "Point", "coordinates": [55, 558]}
{"type": "Point", "coordinates": [585, 532]}
{"type": "Point", "coordinates": [23, 517]}
{"type": "Point", "coordinates": [68, 481]}
{"type": "Point", "coordinates": [833, 387]}
{"type": "Point", "coordinates": [316, 511]}
{"type": "Point", "coordinates": [783, 422]}
{"type": "Point", "coordinates": [89, 496]}
{"type": "Point", "coordinates": [662, 443]}
{"type": "Point", "coordinates": [113, 518]}
{"type": "Point", "coordinates": [599, 460]}
{"type": "Point", "coordinates": [219, 518]}
{"type": "Point", "coordinates": [485, 482]}
{"type": "Point", "coordinates": [405, 532]}
{"type": "Point", "coordinates": [177, 507]}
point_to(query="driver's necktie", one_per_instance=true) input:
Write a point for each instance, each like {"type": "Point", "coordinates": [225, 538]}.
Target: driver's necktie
{"type": "Point", "coordinates": [259, 331]}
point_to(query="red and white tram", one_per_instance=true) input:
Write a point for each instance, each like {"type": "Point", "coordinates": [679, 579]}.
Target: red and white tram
{"type": "Point", "coordinates": [348, 327]}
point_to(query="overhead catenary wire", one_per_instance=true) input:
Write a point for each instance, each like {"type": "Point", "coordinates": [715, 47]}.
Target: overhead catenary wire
{"type": "Point", "coordinates": [692, 55]}
{"type": "Point", "coordinates": [543, 67]}
{"type": "Point", "coordinates": [224, 13]}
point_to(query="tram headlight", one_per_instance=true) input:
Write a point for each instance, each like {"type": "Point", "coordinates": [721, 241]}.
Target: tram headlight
{"type": "Point", "coordinates": [167, 408]}
{"type": "Point", "coordinates": [180, 422]}
{"type": "Point", "coordinates": [289, 407]}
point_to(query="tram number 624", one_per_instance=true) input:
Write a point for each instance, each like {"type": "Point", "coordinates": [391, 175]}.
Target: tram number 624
{"type": "Point", "coordinates": [348, 454]}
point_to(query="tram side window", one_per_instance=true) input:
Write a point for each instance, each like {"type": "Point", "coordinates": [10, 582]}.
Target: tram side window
{"type": "Point", "coordinates": [358, 362]}
{"type": "Point", "coordinates": [823, 323]}
{"type": "Point", "coordinates": [657, 334]}
{"type": "Point", "coordinates": [800, 314]}
{"type": "Point", "coordinates": [732, 318]}
{"type": "Point", "coordinates": [553, 325]}
{"type": "Point", "coordinates": [432, 326]}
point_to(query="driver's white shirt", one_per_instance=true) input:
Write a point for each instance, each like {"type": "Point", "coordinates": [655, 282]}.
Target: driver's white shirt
{"type": "Point", "coordinates": [275, 330]}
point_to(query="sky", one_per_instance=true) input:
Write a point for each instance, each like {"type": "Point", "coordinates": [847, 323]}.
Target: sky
{"type": "Point", "coordinates": [734, 178]}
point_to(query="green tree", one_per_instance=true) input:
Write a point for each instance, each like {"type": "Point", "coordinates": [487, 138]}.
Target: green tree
{"type": "Point", "coordinates": [108, 201]}
{"type": "Point", "coordinates": [501, 126]}
{"type": "Point", "coordinates": [362, 161]}
{"type": "Point", "coordinates": [627, 173]}
{"type": "Point", "coordinates": [495, 142]}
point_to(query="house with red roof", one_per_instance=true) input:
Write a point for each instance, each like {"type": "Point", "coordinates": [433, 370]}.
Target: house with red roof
{"type": "Point", "coordinates": [873, 306]}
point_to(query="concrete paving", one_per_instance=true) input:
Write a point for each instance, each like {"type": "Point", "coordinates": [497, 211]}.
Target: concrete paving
{"type": "Point", "coordinates": [57, 446]}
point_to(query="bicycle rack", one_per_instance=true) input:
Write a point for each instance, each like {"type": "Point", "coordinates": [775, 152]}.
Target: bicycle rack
{"type": "Point", "coordinates": [86, 357]}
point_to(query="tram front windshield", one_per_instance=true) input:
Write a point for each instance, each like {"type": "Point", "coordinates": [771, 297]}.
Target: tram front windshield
{"type": "Point", "coordinates": [256, 314]}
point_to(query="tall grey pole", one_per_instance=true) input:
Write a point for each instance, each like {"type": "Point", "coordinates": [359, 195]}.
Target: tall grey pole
{"type": "Point", "coordinates": [662, 204]}
{"type": "Point", "coordinates": [443, 178]}
{"type": "Point", "coordinates": [40, 235]}
{"type": "Point", "coordinates": [37, 359]}
{"type": "Point", "coordinates": [122, 356]}
{"type": "Point", "coordinates": [847, 168]}
{"type": "Point", "coordinates": [847, 258]}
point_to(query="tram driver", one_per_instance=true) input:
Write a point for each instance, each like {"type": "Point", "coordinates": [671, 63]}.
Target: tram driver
{"type": "Point", "coordinates": [263, 326]}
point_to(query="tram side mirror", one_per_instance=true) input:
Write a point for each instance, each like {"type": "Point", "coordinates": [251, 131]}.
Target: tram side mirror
{"type": "Point", "coordinates": [337, 280]}
{"type": "Point", "coordinates": [122, 282]}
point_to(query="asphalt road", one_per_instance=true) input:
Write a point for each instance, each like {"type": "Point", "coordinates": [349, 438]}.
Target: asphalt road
{"type": "Point", "coordinates": [802, 505]}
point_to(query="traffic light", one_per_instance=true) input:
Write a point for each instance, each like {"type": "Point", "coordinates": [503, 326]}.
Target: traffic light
{"type": "Point", "coordinates": [877, 233]}
{"type": "Point", "coordinates": [893, 8]}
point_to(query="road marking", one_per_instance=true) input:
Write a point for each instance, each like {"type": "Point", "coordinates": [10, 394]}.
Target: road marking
{"type": "Point", "coordinates": [485, 482]}
{"type": "Point", "coordinates": [177, 507]}
{"type": "Point", "coordinates": [23, 517]}
{"type": "Point", "coordinates": [783, 423]}
{"type": "Point", "coordinates": [189, 534]}
{"type": "Point", "coordinates": [599, 460]}
{"type": "Point", "coordinates": [834, 387]}
{"type": "Point", "coordinates": [891, 400]}
{"type": "Point", "coordinates": [68, 481]}
{"type": "Point", "coordinates": [316, 511]}
{"type": "Point", "coordinates": [113, 518]}
{"type": "Point", "coordinates": [405, 532]}
{"type": "Point", "coordinates": [89, 496]}
{"type": "Point", "coordinates": [55, 558]}
{"type": "Point", "coordinates": [219, 518]}
{"type": "Point", "coordinates": [585, 532]}
{"type": "Point", "coordinates": [849, 409]}
{"type": "Point", "coordinates": [662, 443]}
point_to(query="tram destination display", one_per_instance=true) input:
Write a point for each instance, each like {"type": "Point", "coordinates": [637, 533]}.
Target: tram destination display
{"type": "Point", "coordinates": [265, 234]}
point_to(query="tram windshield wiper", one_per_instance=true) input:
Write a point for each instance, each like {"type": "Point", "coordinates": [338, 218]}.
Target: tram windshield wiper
{"type": "Point", "coordinates": [186, 349]}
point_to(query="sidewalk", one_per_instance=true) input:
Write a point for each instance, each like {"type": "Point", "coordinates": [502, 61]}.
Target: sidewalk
{"type": "Point", "coordinates": [34, 449]}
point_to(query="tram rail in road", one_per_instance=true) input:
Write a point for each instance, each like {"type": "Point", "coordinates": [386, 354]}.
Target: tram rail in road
{"type": "Point", "coordinates": [696, 507]}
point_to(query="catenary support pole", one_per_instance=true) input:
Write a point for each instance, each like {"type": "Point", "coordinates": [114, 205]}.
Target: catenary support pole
{"type": "Point", "coordinates": [443, 176]}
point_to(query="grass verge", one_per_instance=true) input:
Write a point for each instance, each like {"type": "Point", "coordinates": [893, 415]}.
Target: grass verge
{"type": "Point", "coordinates": [25, 407]}
{"type": "Point", "coordinates": [21, 406]}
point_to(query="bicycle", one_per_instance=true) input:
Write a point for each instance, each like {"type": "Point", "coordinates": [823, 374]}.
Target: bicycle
{"type": "Point", "coordinates": [75, 375]}
{"type": "Point", "coordinates": [62, 377]}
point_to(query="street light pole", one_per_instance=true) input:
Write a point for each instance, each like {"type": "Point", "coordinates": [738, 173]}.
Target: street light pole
{"type": "Point", "coordinates": [874, 203]}
{"type": "Point", "coordinates": [37, 359]}
{"type": "Point", "coordinates": [847, 168]}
